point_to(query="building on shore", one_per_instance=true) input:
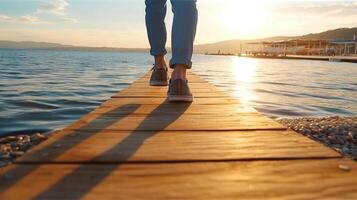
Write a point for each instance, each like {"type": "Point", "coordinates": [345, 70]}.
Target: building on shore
{"type": "Point", "coordinates": [302, 47]}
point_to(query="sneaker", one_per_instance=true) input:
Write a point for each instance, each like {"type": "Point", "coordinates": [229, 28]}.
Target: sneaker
{"type": "Point", "coordinates": [179, 91]}
{"type": "Point", "coordinates": [159, 77]}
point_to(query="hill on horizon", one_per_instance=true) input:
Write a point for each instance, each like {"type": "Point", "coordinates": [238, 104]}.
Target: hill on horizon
{"type": "Point", "coordinates": [57, 46]}
{"type": "Point", "coordinates": [228, 46]}
{"type": "Point", "coordinates": [231, 46]}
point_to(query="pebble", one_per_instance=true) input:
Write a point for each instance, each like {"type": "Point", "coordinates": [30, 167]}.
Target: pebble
{"type": "Point", "coordinates": [5, 148]}
{"type": "Point", "coordinates": [37, 138]}
{"type": "Point", "coordinates": [25, 146]}
{"type": "Point", "coordinates": [17, 153]}
{"type": "Point", "coordinates": [353, 137]}
{"type": "Point", "coordinates": [41, 136]}
{"type": "Point", "coordinates": [11, 138]}
{"type": "Point", "coordinates": [5, 156]}
{"type": "Point", "coordinates": [3, 163]}
{"type": "Point", "coordinates": [339, 133]}
{"type": "Point", "coordinates": [345, 150]}
{"type": "Point", "coordinates": [12, 147]}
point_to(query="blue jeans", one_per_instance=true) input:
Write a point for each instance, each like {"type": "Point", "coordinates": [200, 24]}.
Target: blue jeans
{"type": "Point", "coordinates": [183, 29]}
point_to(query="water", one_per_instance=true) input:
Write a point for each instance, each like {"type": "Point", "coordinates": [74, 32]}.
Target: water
{"type": "Point", "coordinates": [285, 88]}
{"type": "Point", "coordinates": [45, 90]}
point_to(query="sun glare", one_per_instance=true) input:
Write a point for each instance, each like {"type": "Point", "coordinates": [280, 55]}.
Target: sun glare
{"type": "Point", "coordinates": [244, 70]}
{"type": "Point", "coordinates": [242, 16]}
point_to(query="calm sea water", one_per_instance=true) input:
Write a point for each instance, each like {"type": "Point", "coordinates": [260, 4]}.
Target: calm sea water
{"type": "Point", "coordinates": [45, 90]}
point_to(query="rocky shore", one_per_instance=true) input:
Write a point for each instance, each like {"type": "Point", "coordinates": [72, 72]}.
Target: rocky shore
{"type": "Point", "coordinates": [12, 147]}
{"type": "Point", "coordinates": [338, 133]}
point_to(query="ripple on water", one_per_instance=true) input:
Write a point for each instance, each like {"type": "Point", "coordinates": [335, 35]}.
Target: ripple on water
{"type": "Point", "coordinates": [276, 111]}
{"type": "Point", "coordinates": [32, 104]}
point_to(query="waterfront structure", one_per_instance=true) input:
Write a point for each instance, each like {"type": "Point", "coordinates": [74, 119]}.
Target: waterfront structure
{"type": "Point", "coordinates": [303, 47]}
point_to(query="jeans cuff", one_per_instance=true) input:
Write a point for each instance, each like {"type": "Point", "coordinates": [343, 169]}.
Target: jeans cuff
{"type": "Point", "coordinates": [177, 61]}
{"type": "Point", "coordinates": [158, 52]}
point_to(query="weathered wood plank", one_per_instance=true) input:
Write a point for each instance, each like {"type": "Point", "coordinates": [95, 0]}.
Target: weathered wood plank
{"type": "Point", "coordinates": [178, 121]}
{"type": "Point", "coordinates": [290, 179]}
{"type": "Point", "coordinates": [188, 75]}
{"type": "Point", "coordinates": [146, 94]}
{"type": "Point", "coordinates": [192, 85]}
{"type": "Point", "coordinates": [164, 90]}
{"type": "Point", "coordinates": [163, 146]}
{"type": "Point", "coordinates": [120, 108]}
{"type": "Point", "coordinates": [193, 79]}
{"type": "Point", "coordinates": [163, 100]}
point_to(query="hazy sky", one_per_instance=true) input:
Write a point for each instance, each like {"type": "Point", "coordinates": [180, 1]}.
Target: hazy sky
{"type": "Point", "coordinates": [120, 23]}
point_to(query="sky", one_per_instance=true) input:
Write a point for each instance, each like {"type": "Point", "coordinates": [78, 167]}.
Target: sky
{"type": "Point", "coordinates": [120, 23]}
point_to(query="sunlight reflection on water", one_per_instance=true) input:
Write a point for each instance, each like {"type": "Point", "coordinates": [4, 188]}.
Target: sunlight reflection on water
{"type": "Point", "coordinates": [244, 71]}
{"type": "Point", "coordinates": [285, 88]}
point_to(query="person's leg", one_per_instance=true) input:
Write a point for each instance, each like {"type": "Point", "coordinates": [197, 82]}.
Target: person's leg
{"type": "Point", "coordinates": [183, 35]}
{"type": "Point", "coordinates": [156, 30]}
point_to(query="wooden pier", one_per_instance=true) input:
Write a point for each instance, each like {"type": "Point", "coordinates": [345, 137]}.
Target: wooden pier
{"type": "Point", "coordinates": [136, 145]}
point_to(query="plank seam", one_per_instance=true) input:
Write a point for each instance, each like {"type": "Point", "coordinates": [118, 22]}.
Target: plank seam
{"type": "Point", "coordinates": [175, 161]}
{"type": "Point", "coordinates": [126, 96]}
{"type": "Point", "coordinates": [208, 130]}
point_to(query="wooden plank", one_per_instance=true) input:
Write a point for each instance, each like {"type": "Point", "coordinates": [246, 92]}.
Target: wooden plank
{"type": "Point", "coordinates": [142, 85]}
{"type": "Point", "coordinates": [178, 121]}
{"type": "Point", "coordinates": [199, 87]}
{"type": "Point", "coordinates": [163, 146]}
{"type": "Point", "coordinates": [120, 108]}
{"type": "Point", "coordinates": [162, 93]}
{"type": "Point", "coordinates": [189, 74]}
{"type": "Point", "coordinates": [192, 85]}
{"type": "Point", "coordinates": [289, 179]}
{"type": "Point", "coordinates": [154, 101]}
{"type": "Point", "coordinates": [193, 79]}
{"type": "Point", "coordinates": [153, 89]}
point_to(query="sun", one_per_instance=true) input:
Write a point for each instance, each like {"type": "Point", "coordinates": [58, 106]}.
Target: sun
{"type": "Point", "coordinates": [243, 16]}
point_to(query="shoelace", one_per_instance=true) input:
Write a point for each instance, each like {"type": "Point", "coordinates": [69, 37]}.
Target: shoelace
{"type": "Point", "coordinates": [153, 68]}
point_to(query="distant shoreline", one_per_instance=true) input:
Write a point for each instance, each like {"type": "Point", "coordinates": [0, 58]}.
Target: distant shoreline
{"type": "Point", "coordinates": [88, 49]}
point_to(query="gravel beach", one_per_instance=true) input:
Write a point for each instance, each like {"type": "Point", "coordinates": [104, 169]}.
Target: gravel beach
{"type": "Point", "coordinates": [12, 147]}
{"type": "Point", "coordinates": [338, 133]}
